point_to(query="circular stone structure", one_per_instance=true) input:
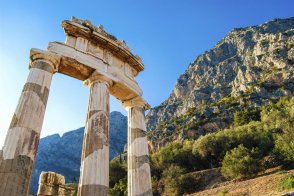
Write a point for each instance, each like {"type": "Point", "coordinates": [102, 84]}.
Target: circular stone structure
{"type": "Point", "coordinates": [107, 66]}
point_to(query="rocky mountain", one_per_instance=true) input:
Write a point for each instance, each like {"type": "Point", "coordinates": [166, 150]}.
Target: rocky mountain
{"type": "Point", "coordinates": [63, 154]}
{"type": "Point", "coordinates": [248, 68]}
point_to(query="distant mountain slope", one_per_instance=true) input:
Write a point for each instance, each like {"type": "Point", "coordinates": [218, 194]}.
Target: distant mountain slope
{"type": "Point", "coordinates": [248, 68]}
{"type": "Point", "coordinates": [63, 154]}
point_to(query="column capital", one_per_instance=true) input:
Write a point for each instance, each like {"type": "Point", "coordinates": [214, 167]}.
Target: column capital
{"type": "Point", "coordinates": [136, 102]}
{"type": "Point", "coordinates": [96, 77]}
{"type": "Point", "coordinates": [52, 59]}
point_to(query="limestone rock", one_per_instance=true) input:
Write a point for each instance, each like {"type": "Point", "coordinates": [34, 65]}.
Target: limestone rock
{"type": "Point", "coordinates": [248, 68]}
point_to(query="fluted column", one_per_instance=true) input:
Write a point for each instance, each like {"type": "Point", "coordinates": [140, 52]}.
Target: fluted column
{"type": "Point", "coordinates": [21, 143]}
{"type": "Point", "coordinates": [139, 176]}
{"type": "Point", "coordinates": [94, 178]}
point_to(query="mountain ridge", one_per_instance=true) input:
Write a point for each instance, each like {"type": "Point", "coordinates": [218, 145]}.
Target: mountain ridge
{"type": "Point", "coordinates": [249, 67]}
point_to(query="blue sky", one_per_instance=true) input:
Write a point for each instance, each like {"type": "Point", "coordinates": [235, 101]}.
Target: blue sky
{"type": "Point", "coordinates": [167, 34]}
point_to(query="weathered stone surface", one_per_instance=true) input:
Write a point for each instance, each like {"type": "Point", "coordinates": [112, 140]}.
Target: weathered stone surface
{"type": "Point", "coordinates": [79, 30]}
{"type": "Point", "coordinates": [138, 161]}
{"type": "Point", "coordinates": [146, 193]}
{"type": "Point", "coordinates": [15, 176]}
{"type": "Point", "coordinates": [94, 190]}
{"type": "Point", "coordinates": [51, 178]}
{"type": "Point", "coordinates": [53, 184]}
{"type": "Point", "coordinates": [95, 154]}
{"type": "Point", "coordinates": [139, 176]}
{"type": "Point", "coordinates": [42, 92]}
{"type": "Point", "coordinates": [21, 143]}
{"type": "Point", "coordinates": [43, 66]}
{"type": "Point", "coordinates": [137, 133]}
{"type": "Point", "coordinates": [87, 50]}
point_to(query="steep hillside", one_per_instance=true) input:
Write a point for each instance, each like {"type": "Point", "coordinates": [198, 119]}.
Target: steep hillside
{"type": "Point", "coordinates": [250, 67]}
{"type": "Point", "coordinates": [263, 185]}
{"type": "Point", "coordinates": [63, 154]}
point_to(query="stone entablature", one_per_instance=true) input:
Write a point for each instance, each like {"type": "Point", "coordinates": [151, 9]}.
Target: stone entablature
{"type": "Point", "coordinates": [86, 37]}
{"type": "Point", "coordinates": [81, 66]}
{"type": "Point", "coordinates": [88, 49]}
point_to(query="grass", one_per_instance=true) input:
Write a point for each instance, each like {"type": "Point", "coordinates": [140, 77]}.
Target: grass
{"type": "Point", "coordinates": [287, 182]}
{"type": "Point", "coordinates": [282, 172]}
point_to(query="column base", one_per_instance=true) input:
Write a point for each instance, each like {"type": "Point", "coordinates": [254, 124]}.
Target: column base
{"type": "Point", "coordinates": [15, 175]}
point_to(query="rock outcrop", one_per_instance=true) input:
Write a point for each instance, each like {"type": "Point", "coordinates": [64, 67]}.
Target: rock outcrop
{"type": "Point", "coordinates": [248, 68]}
{"type": "Point", "coordinates": [63, 154]}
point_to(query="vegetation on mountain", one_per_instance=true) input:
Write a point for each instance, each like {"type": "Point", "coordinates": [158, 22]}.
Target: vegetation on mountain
{"type": "Point", "coordinates": [248, 68]}
{"type": "Point", "coordinates": [287, 182]}
{"type": "Point", "coordinates": [241, 151]}
{"type": "Point", "coordinates": [118, 177]}
{"type": "Point", "coordinates": [240, 162]}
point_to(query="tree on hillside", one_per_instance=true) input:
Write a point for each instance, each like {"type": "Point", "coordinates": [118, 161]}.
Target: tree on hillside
{"type": "Point", "coordinates": [240, 162]}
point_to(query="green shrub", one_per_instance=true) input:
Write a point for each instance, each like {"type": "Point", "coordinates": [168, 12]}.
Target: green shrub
{"type": "Point", "coordinates": [117, 171]}
{"type": "Point", "coordinates": [246, 116]}
{"type": "Point", "coordinates": [213, 147]}
{"type": "Point", "coordinates": [171, 178]}
{"type": "Point", "coordinates": [188, 184]}
{"type": "Point", "coordinates": [239, 163]}
{"type": "Point", "coordinates": [284, 145]}
{"type": "Point", "coordinates": [120, 188]}
{"type": "Point", "coordinates": [176, 182]}
{"type": "Point", "coordinates": [287, 182]}
{"type": "Point", "coordinates": [175, 153]}
{"type": "Point", "coordinates": [118, 177]}
{"type": "Point", "coordinates": [279, 117]}
{"type": "Point", "coordinates": [154, 182]}
{"type": "Point", "coordinates": [291, 45]}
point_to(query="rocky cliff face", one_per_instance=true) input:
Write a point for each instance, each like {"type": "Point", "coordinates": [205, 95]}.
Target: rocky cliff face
{"type": "Point", "coordinates": [248, 68]}
{"type": "Point", "coordinates": [63, 154]}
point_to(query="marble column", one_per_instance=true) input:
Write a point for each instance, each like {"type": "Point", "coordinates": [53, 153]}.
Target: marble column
{"type": "Point", "coordinates": [94, 178]}
{"type": "Point", "coordinates": [18, 154]}
{"type": "Point", "coordinates": [139, 176]}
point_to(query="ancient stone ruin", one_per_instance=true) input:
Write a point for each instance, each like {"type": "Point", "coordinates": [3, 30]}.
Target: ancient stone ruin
{"type": "Point", "coordinates": [51, 183]}
{"type": "Point", "coordinates": [107, 66]}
